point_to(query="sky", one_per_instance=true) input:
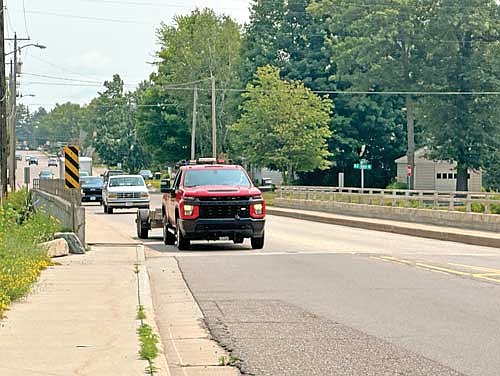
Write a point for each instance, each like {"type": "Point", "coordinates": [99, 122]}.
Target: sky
{"type": "Point", "coordinates": [90, 40]}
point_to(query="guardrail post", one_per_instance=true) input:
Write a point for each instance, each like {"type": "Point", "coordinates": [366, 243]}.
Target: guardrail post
{"type": "Point", "coordinates": [451, 206]}
{"type": "Point", "coordinates": [487, 209]}
{"type": "Point", "coordinates": [420, 199]}
{"type": "Point", "coordinates": [435, 205]}
{"type": "Point", "coordinates": [393, 198]}
{"type": "Point", "coordinates": [468, 206]}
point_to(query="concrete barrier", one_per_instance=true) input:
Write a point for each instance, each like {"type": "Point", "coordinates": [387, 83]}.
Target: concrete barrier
{"type": "Point", "coordinates": [72, 216]}
{"type": "Point", "coordinates": [473, 221]}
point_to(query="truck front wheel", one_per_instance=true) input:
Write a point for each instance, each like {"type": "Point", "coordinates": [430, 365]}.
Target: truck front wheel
{"type": "Point", "coordinates": [182, 242]}
{"type": "Point", "coordinates": [257, 243]}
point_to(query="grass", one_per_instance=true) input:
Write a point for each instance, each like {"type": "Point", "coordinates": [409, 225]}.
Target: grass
{"type": "Point", "coordinates": [269, 197]}
{"type": "Point", "coordinates": [148, 340]}
{"type": "Point", "coordinates": [21, 259]}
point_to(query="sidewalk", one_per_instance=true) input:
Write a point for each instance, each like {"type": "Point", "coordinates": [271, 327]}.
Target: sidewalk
{"type": "Point", "coordinates": [481, 238]}
{"type": "Point", "coordinates": [80, 319]}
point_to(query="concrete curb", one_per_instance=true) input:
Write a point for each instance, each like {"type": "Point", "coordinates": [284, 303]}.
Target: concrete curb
{"type": "Point", "coordinates": [146, 300]}
{"type": "Point", "coordinates": [430, 233]}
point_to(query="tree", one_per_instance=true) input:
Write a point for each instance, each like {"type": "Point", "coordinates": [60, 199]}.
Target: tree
{"type": "Point", "coordinates": [286, 34]}
{"type": "Point", "coordinates": [112, 118]}
{"type": "Point", "coordinates": [62, 124]}
{"type": "Point", "coordinates": [161, 125]}
{"type": "Point", "coordinates": [196, 47]}
{"type": "Point", "coordinates": [378, 47]}
{"type": "Point", "coordinates": [464, 128]}
{"type": "Point", "coordinates": [283, 125]}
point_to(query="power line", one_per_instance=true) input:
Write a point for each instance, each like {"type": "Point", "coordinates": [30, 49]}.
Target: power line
{"type": "Point", "coordinates": [60, 78]}
{"type": "Point", "coordinates": [333, 92]}
{"type": "Point", "coordinates": [149, 4]}
{"type": "Point", "coordinates": [87, 18]}
{"type": "Point", "coordinates": [25, 21]}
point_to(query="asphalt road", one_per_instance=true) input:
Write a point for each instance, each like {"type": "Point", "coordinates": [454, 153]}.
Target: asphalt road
{"type": "Point", "coordinates": [34, 169]}
{"type": "Point", "coordinates": [322, 300]}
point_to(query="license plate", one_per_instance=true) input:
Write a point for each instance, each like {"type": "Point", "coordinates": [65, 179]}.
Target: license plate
{"type": "Point", "coordinates": [92, 198]}
{"type": "Point", "coordinates": [223, 237]}
{"type": "Point", "coordinates": [129, 204]}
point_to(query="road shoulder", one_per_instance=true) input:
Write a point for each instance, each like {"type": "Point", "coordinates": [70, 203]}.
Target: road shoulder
{"type": "Point", "coordinates": [188, 345]}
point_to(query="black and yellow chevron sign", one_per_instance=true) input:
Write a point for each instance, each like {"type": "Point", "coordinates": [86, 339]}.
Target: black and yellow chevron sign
{"type": "Point", "coordinates": [71, 167]}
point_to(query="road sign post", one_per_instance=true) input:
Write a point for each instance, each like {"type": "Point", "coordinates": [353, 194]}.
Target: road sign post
{"type": "Point", "coordinates": [363, 165]}
{"type": "Point", "coordinates": [71, 167]}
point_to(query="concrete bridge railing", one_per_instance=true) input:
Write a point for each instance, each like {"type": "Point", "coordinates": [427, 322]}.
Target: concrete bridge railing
{"type": "Point", "coordinates": [455, 209]}
{"type": "Point", "coordinates": [61, 203]}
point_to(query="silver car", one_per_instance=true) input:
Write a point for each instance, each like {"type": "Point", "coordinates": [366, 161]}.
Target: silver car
{"type": "Point", "coordinates": [125, 191]}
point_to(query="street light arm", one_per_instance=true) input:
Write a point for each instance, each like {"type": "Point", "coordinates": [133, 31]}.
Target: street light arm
{"type": "Point", "coordinates": [40, 46]}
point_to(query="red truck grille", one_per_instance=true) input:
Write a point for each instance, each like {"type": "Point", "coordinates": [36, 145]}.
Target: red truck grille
{"type": "Point", "coordinates": [224, 211]}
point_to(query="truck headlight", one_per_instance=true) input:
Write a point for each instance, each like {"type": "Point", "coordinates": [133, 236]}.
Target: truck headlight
{"type": "Point", "coordinates": [112, 195]}
{"type": "Point", "coordinates": [144, 195]}
{"type": "Point", "coordinates": [258, 209]}
{"type": "Point", "coordinates": [188, 210]}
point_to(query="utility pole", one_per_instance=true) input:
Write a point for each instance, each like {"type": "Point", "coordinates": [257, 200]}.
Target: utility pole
{"type": "Point", "coordinates": [214, 120]}
{"type": "Point", "coordinates": [12, 117]}
{"type": "Point", "coordinates": [193, 129]}
{"type": "Point", "coordinates": [3, 107]}
{"type": "Point", "coordinates": [411, 142]}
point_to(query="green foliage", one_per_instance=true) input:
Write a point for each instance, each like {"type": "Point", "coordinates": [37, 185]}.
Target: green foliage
{"type": "Point", "coordinates": [148, 350]}
{"type": "Point", "coordinates": [161, 125]}
{"type": "Point", "coordinates": [397, 185]}
{"type": "Point", "coordinates": [112, 118]}
{"type": "Point", "coordinates": [196, 47]}
{"type": "Point", "coordinates": [464, 128]}
{"type": "Point", "coordinates": [63, 124]}
{"type": "Point", "coordinates": [283, 124]}
{"type": "Point", "coordinates": [21, 260]}
{"type": "Point", "coordinates": [289, 36]}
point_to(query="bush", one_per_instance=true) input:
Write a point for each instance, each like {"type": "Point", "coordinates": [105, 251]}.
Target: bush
{"type": "Point", "coordinates": [21, 259]}
{"type": "Point", "coordinates": [397, 185]}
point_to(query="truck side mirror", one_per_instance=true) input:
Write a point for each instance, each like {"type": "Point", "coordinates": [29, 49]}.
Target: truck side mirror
{"type": "Point", "coordinates": [165, 186]}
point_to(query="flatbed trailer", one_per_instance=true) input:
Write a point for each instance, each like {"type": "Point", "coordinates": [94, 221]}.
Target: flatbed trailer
{"type": "Point", "coordinates": [147, 220]}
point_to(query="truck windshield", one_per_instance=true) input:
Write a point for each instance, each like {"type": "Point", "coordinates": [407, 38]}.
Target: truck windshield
{"type": "Point", "coordinates": [126, 181]}
{"type": "Point", "coordinates": [195, 178]}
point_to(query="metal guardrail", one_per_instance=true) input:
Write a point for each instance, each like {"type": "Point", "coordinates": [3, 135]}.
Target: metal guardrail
{"type": "Point", "coordinates": [479, 202]}
{"type": "Point", "coordinates": [57, 188]}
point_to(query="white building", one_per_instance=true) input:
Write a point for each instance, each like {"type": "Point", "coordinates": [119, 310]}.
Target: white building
{"type": "Point", "coordinates": [435, 175]}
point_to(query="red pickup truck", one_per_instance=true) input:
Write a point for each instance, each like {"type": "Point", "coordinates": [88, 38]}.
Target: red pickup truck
{"type": "Point", "coordinates": [212, 201]}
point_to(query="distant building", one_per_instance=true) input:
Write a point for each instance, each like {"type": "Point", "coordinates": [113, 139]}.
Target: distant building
{"type": "Point", "coordinates": [436, 175]}
{"type": "Point", "coordinates": [260, 173]}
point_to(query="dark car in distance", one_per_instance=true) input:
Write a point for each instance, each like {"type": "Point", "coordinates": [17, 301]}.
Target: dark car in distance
{"type": "Point", "coordinates": [91, 187]}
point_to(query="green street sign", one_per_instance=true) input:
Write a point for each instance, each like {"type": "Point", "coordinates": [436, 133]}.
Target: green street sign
{"type": "Point", "coordinates": [362, 166]}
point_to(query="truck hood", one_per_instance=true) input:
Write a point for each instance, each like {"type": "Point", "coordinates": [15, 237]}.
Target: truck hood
{"type": "Point", "coordinates": [128, 189]}
{"type": "Point", "coordinates": [221, 191]}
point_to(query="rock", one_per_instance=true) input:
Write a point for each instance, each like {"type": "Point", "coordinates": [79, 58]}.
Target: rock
{"type": "Point", "coordinates": [75, 245]}
{"type": "Point", "coordinates": [56, 248]}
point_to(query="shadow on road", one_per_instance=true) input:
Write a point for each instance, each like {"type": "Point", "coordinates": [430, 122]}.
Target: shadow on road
{"type": "Point", "coordinates": [156, 244]}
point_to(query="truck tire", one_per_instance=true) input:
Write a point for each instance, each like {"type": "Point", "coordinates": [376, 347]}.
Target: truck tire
{"type": "Point", "coordinates": [168, 237]}
{"type": "Point", "coordinates": [182, 243]}
{"type": "Point", "coordinates": [109, 210]}
{"type": "Point", "coordinates": [257, 243]}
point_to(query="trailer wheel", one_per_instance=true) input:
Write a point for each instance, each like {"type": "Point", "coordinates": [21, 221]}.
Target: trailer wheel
{"type": "Point", "coordinates": [142, 222]}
